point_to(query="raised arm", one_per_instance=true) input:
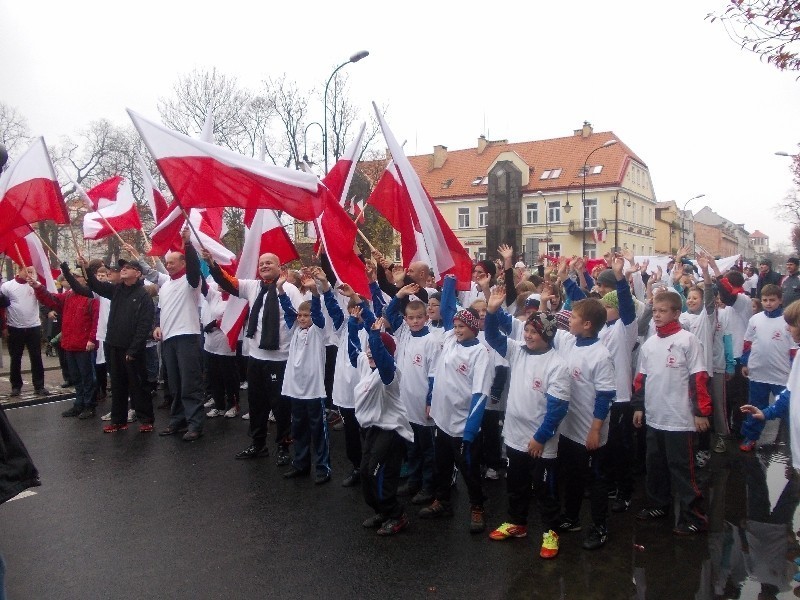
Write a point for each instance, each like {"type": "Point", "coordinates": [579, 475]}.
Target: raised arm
{"type": "Point", "coordinates": [448, 307]}
{"type": "Point", "coordinates": [492, 323]}
{"type": "Point", "coordinates": [193, 274]}
{"type": "Point", "coordinates": [76, 287]}
{"type": "Point", "coordinates": [384, 361]}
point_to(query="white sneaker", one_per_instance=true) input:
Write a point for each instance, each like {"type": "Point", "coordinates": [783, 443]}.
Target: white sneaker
{"type": "Point", "coordinates": [271, 417]}
{"type": "Point", "coordinates": [214, 412]}
{"type": "Point", "coordinates": [243, 385]}
{"type": "Point", "coordinates": [106, 417]}
{"type": "Point", "coordinates": [246, 416]}
{"type": "Point", "coordinates": [492, 474]}
{"type": "Point", "coordinates": [232, 412]}
{"type": "Point", "coordinates": [208, 404]}
{"type": "Point", "coordinates": [131, 415]}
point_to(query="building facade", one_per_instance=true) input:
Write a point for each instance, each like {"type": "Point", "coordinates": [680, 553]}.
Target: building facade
{"type": "Point", "coordinates": [720, 236]}
{"type": "Point", "coordinates": [759, 245]}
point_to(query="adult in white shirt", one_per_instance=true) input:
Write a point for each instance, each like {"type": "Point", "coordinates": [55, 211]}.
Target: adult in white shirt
{"type": "Point", "coordinates": [24, 330]}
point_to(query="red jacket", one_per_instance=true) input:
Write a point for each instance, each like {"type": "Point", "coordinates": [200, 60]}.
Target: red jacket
{"type": "Point", "coordinates": [78, 317]}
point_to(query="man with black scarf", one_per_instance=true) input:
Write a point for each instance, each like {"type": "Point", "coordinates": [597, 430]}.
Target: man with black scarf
{"type": "Point", "coordinates": [269, 349]}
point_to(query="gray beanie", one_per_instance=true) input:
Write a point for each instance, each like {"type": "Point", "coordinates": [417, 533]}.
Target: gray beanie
{"type": "Point", "coordinates": [607, 278]}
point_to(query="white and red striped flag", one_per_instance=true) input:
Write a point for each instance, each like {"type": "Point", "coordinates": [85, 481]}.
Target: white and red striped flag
{"type": "Point", "coordinates": [29, 190]}
{"type": "Point", "coordinates": [424, 233]}
{"type": "Point", "coordinates": [166, 236]}
{"type": "Point", "coordinates": [203, 175]}
{"type": "Point", "coordinates": [118, 215]}
{"type": "Point", "coordinates": [265, 234]}
{"type": "Point", "coordinates": [25, 248]}
{"type": "Point", "coordinates": [152, 195]}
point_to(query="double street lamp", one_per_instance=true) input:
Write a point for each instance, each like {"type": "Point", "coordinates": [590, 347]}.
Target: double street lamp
{"type": "Point", "coordinates": [583, 191]}
{"type": "Point", "coordinates": [353, 59]}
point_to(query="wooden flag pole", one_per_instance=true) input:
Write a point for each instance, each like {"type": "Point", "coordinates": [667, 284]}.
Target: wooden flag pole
{"type": "Point", "coordinates": [114, 231]}
{"type": "Point", "coordinates": [77, 249]}
{"type": "Point", "coordinates": [191, 225]}
{"type": "Point", "coordinates": [363, 237]}
{"type": "Point", "coordinates": [19, 254]}
{"type": "Point", "coordinates": [46, 245]}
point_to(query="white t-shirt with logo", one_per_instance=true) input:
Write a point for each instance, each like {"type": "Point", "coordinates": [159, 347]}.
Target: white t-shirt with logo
{"type": "Point", "coordinates": [416, 358]}
{"type": "Point", "coordinates": [771, 341]}
{"type": "Point", "coordinates": [668, 363]}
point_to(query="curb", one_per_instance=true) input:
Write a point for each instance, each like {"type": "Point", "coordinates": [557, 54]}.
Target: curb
{"type": "Point", "coordinates": [36, 400]}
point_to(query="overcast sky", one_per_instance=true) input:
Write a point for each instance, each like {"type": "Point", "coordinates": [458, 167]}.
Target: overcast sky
{"type": "Point", "coordinates": [706, 116]}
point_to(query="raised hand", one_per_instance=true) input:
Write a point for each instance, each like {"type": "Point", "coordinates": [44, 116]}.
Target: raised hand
{"type": "Point", "coordinates": [309, 283]}
{"type": "Point", "coordinates": [131, 250]}
{"type": "Point", "coordinates": [505, 251]}
{"type": "Point", "coordinates": [355, 312]}
{"type": "Point", "coordinates": [618, 266]}
{"type": "Point", "coordinates": [206, 256]}
{"type": "Point", "coordinates": [346, 290]}
{"type": "Point", "coordinates": [496, 299]}
{"type": "Point", "coordinates": [677, 272]}
{"type": "Point", "coordinates": [371, 271]}
{"type": "Point", "coordinates": [578, 264]}
{"type": "Point", "coordinates": [280, 282]}
{"type": "Point", "coordinates": [407, 290]}
{"type": "Point", "coordinates": [483, 280]}
{"type": "Point", "coordinates": [627, 254]}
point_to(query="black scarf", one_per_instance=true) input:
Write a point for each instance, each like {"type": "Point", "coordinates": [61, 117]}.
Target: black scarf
{"type": "Point", "coordinates": [270, 322]}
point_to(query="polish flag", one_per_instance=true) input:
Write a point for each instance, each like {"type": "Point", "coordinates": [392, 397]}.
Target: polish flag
{"type": "Point", "coordinates": [335, 229]}
{"type": "Point", "coordinates": [153, 196]}
{"type": "Point", "coordinates": [166, 236]}
{"type": "Point", "coordinates": [599, 235]}
{"type": "Point", "coordinates": [23, 247]}
{"type": "Point", "coordinates": [424, 233]}
{"type": "Point", "coordinates": [105, 193]}
{"type": "Point", "coordinates": [29, 190]}
{"type": "Point", "coordinates": [265, 234]}
{"type": "Point", "coordinates": [203, 175]}
{"type": "Point", "coordinates": [119, 215]}
{"type": "Point", "coordinates": [358, 212]}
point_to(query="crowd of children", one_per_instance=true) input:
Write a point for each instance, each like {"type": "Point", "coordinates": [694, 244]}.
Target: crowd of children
{"type": "Point", "coordinates": [543, 377]}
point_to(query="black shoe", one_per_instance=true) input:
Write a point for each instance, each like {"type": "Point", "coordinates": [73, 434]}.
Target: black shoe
{"type": "Point", "coordinates": [253, 452]}
{"type": "Point", "coordinates": [87, 413]}
{"type": "Point", "coordinates": [171, 430]}
{"type": "Point", "coordinates": [686, 529]}
{"type": "Point", "coordinates": [15, 392]}
{"type": "Point", "coordinates": [393, 526]}
{"type": "Point", "coordinates": [422, 497]}
{"type": "Point", "coordinates": [408, 489]}
{"type": "Point", "coordinates": [192, 436]}
{"type": "Point", "coordinates": [292, 473]}
{"type": "Point", "coordinates": [322, 478]}
{"type": "Point", "coordinates": [352, 480]}
{"type": "Point", "coordinates": [283, 457]}
{"type": "Point", "coordinates": [620, 505]}
{"type": "Point", "coordinates": [597, 538]}
{"type": "Point", "coordinates": [42, 392]}
{"type": "Point", "coordinates": [374, 521]}
{"type": "Point", "coordinates": [72, 412]}
{"type": "Point", "coordinates": [652, 514]}
{"type": "Point", "coordinates": [567, 524]}
{"type": "Point", "coordinates": [65, 385]}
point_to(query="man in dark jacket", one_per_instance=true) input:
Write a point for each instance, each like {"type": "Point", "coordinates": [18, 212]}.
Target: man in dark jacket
{"type": "Point", "coordinates": [130, 321]}
{"type": "Point", "coordinates": [791, 283]}
{"type": "Point", "coordinates": [766, 275]}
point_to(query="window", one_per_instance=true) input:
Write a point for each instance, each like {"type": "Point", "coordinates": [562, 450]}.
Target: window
{"type": "Point", "coordinates": [477, 180]}
{"type": "Point", "coordinates": [590, 213]}
{"type": "Point", "coordinates": [550, 174]}
{"type": "Point", "coordinates": [532, 213]}
{"type": "Point", "coordinates": [545, 175]}
{"type": "Point", "coordinates": [481, 253]}
{"type": "Point", "coordinates": [483, 216]}
{"type": "Point", "coordinates": [309, 231]}
{"type": "Point", "coordinates": [553, 250]}
{"type": "Point", "coordinates": [597, 169]}
{"type": "Point", "coordinates": [591, 250]}
{"type": "Point", "coordinates": [554, 211]}
{"type": "Point", "coordinates": [650, 217]}
{"type": "Point", "coordinates": [463, 218]}
{"type": "Point", "coordinates": [397, 257]}
{"type": "Point", "coordinates": [649, 251]}
{"type": "Point", "coordinates": [447, 183]}
{"type": "Point", "coordinates": [590, 170]}
{"type": "Point", "coordinates": [642, 220]}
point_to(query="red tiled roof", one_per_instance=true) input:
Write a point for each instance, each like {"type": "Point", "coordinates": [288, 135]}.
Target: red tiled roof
{"type": "Point", "coordinates": [567, 154]}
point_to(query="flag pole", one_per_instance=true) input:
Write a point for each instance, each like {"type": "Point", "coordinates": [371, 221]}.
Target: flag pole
{"type": "Point", "coordinates": [19, 254]}
{"type": "Point", "coordinates": [114, 231]}
{"type": "Point", "coordinates": [191, 225]}
{"type": "Point", "coordinates": [77, 250]}
{"type": "Point", "coordinates": [46, 245]}
{"type": "Point", "coordinates": [363, 237]}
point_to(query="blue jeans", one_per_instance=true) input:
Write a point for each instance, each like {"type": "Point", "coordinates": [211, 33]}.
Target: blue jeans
{"type": "Point", "coordinates": [421, 459]}
{"type": "Point", "coordinates": [310, 428]}
{"type": "Point", "coordinates": [759, 396]}
{"type": "Point", "coordinates": [81, 374]}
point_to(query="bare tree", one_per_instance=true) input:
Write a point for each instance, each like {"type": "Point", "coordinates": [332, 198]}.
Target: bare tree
{"type": "Point", "coordinates": [14, 132]}
{"type": "Point", "coordinates": [290, 106]}
{"type": "Point", "coordinates": [770, 28]}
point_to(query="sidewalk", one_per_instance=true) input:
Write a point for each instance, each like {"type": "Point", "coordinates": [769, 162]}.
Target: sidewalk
{"type": "Point", "coordinates": [52, 381]}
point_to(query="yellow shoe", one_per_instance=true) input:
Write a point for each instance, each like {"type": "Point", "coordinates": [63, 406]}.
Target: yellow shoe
{"type": "Point", "coordinates": [509, 530]}
{"type": "Point", "coordinates": [549, 544]}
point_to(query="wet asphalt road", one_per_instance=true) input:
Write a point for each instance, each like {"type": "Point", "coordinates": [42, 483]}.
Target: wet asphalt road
{"type": "Point", "coordinates": [138, 516]}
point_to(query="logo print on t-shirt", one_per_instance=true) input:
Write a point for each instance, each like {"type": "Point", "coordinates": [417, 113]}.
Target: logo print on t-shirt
{"type": "Point", "coordinates": [417, 360]}
{"type": "Point", "coordinates": [537, 383]}
{"type": "Point", "coordinates": [776, 335]}
{"type": "Point", "coordinates": [672, 361]}
{"type": "Point", "coordinates": [576, 373]}
{"type": "Point", "coordinates": [462, 368]}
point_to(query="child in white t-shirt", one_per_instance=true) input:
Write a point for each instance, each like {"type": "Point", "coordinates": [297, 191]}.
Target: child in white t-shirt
{"type": "Point", "coordinates": [766, 359]}
{"type": "Point", "coordinates": [538, 399]}
{"type": "Point", "coordinates": [671, 390]}
{"type": "Point", "coordinates": [304, 382]}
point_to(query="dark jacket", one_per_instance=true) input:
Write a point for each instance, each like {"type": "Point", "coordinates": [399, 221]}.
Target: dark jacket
{"type": "Point", "coordinates": [791, 289]}
{"type": "Point", "coordinates": [130, 318]}
{"type": "Point", "coordinates": [17, 471]}
{"type": "Point", "coordinates": [770, 277]}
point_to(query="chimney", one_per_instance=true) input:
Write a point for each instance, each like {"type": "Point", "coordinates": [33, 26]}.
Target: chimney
{"type": "Point", "coordinates": [439, 156]}
{"type": "Point", "coordinates": [585, 131]}
{"type": "Point", "coordinates": [387, 154]}
{"type": "Point", "coordinates": [482, 143]}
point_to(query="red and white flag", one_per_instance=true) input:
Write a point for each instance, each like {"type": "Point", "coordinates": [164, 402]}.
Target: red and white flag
{"type": "Point", "coordinates": [119, 215]}
{"type": "Point", "coordinates": [599, 235]}
{"type": "Point", "coordinates": [265, 234]}
{"type": "Point", "coordinates": [29, 190]}
{"type": "Point", "coordinates": [152, 195]}
{"type": "Point", "coordinates": [24, 247]}
{"type": "Point", "coordinates": [424, 233]}
{"type": "Point", "coordinates": [358, 211]}
{"type": "Point", "coordinates": [104, 193]}
{"type": "Point", "coordinates": [166, 236]}
{"type": "Point", "coordinates": [335, 228]}
{"type": "Point", "coordinates": [203, 175]}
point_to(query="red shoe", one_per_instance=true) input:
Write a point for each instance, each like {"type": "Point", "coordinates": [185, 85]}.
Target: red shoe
{"type": "Point", "coordinates": [113, 428]}
{"type": "Point", "coordinates": [146, 428]}
{"type": "Point", "coordinates": [747, 446]}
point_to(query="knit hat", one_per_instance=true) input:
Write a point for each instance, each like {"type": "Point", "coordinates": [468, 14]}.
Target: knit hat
{"type": "Point", "coordinates": [562, 319]}
{"type": "Point", "coordinates": [488, 266]}
{"type": "Point", "coordinates": [610, 300]}
{"type": "Point", "coordinates": [607, 278]}
{"type": "Point", "coordinates": [388, 342]}
{"type": "Point", "coordinates": [544, 324]}
{"type": "Point", "coordinates": [470, 318]}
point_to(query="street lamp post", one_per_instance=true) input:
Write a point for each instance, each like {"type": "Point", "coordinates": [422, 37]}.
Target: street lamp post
{"type": "Point", "coordinates": [616, 217]}
{"type": "Point", "coordinates": [353, 59]}
{"type": "Point", "coordinates": [583, 192]}
{"type": "Point", "coordinates": [305, 140]}
{"type": "Point", "coordinates": [683, 219]}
